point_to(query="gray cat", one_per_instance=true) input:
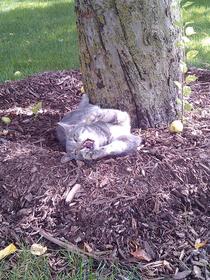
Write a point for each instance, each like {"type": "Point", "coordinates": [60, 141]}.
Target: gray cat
{"type": "Point", "coordinates": [91, 132]}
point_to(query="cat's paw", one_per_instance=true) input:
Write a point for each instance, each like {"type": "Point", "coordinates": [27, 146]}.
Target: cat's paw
{"type": "Point", "coordinates": [89, 154]}
{"type": "Point", "coordinates": [65, 158]}
{"type": "Point", "coordinates": [95, 154]}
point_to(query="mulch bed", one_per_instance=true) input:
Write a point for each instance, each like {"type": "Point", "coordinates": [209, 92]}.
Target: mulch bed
{"type": "Point", "coordinates": [155, 202]}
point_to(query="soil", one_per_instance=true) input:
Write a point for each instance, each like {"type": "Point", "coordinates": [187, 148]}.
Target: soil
{"type": "Point", "coordinates": [151, 208]}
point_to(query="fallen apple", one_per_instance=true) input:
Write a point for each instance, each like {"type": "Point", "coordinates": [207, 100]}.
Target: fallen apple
{"type": "Point", "coordinates": [176, 126]}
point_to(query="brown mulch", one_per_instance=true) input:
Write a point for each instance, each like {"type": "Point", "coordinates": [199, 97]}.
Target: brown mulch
{"type": "Point", "coordinates": [156, 200]}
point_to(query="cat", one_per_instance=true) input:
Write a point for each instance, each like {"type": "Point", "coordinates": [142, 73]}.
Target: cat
{"type": "Point", "coordinates": [91, 133]}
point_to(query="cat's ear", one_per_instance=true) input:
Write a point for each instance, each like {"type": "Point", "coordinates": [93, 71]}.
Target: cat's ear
{"type": "Point", "coordinates": [84, 102]}
{"type": "Point", "coordinates": [67, 128]}
{"type": "Point", "coordinates": [64, 125]}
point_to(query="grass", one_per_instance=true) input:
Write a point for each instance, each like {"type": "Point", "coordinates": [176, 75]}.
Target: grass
{"type": "Point", "coordinates": [199, 15]}
{"type": "Point", "coordinates": [40, 35]}
{"type": "Point", "coordinates": [37, 36]}
{"type": "Point", "coordinates": [28, 266]}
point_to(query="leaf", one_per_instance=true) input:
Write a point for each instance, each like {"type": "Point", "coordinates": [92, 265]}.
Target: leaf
{"type": "Point", "coordinates": [10, 249]}
{"type": "Point", "coordinates": [141, 255]}
{"type": "Point", "coordinates": [187, 91]}
{"type": "Point", "coordinates": [188, 106]}
{"type": "Point", "coordinates": [183, 67]}
{"type": "Point", "coordinates": [180, 44]}
{"type": "Point", "coordinates": [185, 39]}
{"type": "Point", "coordinates": [36, 108]}
{"type": "Point", "coordinates": [178, 84]}
{"type": "Point", "coordinates": [199, 244]}
{"type": "Point", "coordinates": [38, 249]}
{"type": "Point", "coordinates": [6, 120]}
{"type": "Point", "coordinates": [178, 101]}
{"type": "Point", "coordinates": [191, 54]}
{"type": "Point", "coordinates": [191, 78]}
{"type": "Point", "coordinates": [187, 4]}
{"type": "Point", "coordinates": [189, 31]}
{"type": "Point", "coordinates": [82, 89]}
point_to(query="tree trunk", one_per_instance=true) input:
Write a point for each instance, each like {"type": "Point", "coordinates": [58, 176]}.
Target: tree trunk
{"type": "Point", "coordinates": [129, 56]}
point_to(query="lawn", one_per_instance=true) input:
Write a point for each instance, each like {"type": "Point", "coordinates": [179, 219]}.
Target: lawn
{"type": "Point", "coordinates": [36, 36]}
{"type": "Point", "coordinates": [60, 265]}
{"type": "Point", "coordinates": [199, 17]}
{"type": "Point", "coordinates": [40, 35]}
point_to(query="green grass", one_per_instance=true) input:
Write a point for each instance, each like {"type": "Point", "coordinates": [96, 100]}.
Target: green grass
{"type": "Point", "coordinates": [40, 35]}
{"type": "Point", "coordinates": [30, 267]}
{"type": "Point", "coordinates": [199, 15]}
{"type": "Point", "coordinates": [37, 36]}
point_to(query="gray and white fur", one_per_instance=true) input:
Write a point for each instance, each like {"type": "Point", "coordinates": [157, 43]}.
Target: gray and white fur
{"type": "Point", "coordinates": [109, 129]}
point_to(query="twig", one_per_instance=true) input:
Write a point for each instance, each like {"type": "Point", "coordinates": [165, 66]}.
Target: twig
{"type": "Point", "coordinates": [72, 248]}
{"type": "Point", "coordinates": [161, 263]}
{"type": "Point", "coordinates": [39, 141]}
{"type": "Point", "coordinates": [33, 93]}
{"type": "Point", "coordinates": [173, 172]}
{"type": "Point", "coordinates": [205, 167]}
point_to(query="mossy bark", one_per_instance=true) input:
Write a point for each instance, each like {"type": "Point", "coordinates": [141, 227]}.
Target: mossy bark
{"type": "Point", "coordinates": [129, 56]}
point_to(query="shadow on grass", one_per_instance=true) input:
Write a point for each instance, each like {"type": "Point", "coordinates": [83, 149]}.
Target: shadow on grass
{"type": "Point", "coordinates": [36, 38]}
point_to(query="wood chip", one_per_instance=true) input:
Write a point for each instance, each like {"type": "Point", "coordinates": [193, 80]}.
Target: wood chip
{"type": "Point", "coordinates": [182, 275]}
{"type": "Point", "coordinates": [76, 188]}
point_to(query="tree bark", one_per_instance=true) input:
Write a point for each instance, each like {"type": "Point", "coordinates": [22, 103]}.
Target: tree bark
{"type": "Point", "coordinates": [129, 56]}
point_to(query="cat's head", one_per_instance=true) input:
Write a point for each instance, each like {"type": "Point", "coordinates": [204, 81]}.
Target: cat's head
{"type": "Point", "coordinates": [75, 138]}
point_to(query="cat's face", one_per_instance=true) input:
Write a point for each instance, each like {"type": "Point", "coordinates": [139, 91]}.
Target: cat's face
{"type": "Point", "coordinates": [75, 141]}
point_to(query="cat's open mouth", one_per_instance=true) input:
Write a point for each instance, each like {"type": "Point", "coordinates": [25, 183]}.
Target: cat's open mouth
{"type": "Point", "coordinates": [88, 143]}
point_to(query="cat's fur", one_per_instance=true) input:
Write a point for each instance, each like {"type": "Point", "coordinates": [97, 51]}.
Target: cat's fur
{"type": "Point", "coordinates": [109, 129]}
